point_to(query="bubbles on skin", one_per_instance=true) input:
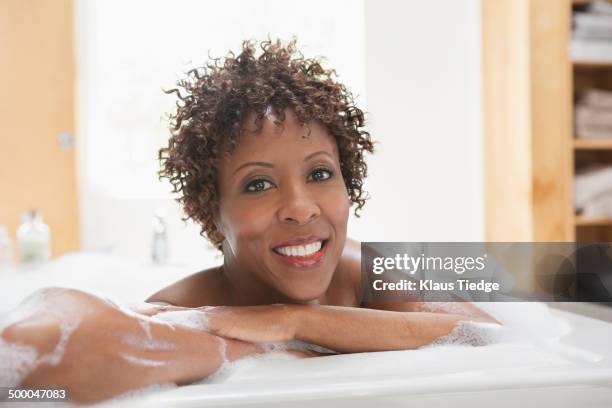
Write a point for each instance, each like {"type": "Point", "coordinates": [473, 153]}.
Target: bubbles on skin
{"type": "Point", "coordinates": [467, 333]}
{"type": "Point", "coordinates": [148, 344]}
{"type": "Point", "coordinates": [296, 345]}
{"type": "Point", "coordinates": [146, 326]}
{"type": "Point", "coordinates": [55, 357]}
{"type": "Point", "coordinates": [520, 322]}
{"type": "Point", "coordinates": [447, 307]}
{"type": "Point", "coordinates": [194, 319]}
{"type": "Point", "coordinates": [140, 317]}
{"type": "Point", "coordinates": [223, 351]}
{"type": "Point", "coordinates": [18, 360]}
{"type": "Point", "coordinates": [145, 362]}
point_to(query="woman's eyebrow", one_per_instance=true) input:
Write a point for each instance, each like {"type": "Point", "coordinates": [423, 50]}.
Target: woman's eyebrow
{"type": "Point", "coordinates": [271, 166]}
{"type": "Point", "coordinates": [310, 156]}
{"type": "Point", "coordinates": [263, 164]}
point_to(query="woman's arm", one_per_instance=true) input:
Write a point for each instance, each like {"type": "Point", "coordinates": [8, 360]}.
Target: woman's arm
{"type": "Point", "coordinates": [344, 329]}
{"type": "Point", "coordinates": [352, 330]}
{"type": "Point", "coordinates": [458, 307]}
{"type": "Point", "coordinates": [93, 350]}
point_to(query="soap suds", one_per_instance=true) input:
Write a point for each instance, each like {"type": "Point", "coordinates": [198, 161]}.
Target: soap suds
{"type": "Point", "coordinates": [16, 361]}
{"type": "Point", "coordinates": [145, 362]}
{"type": "Point", "coordinates": [194, 319]}
{"type": "Point", "coordinates": [445, 307]}
{"type": "Point", "coordinates": [146, 327]}
{"type": "Point", "coordinates": [468, 333]}
{"type": "Point", "coordinates": [55, 357]}
{"type": "Point", "coordinates": [147, 344]}
{"type": "Point", "coordinates": [296, 345]}
{"type": "Point", "coordinates": [229, 368]}
{"type": "Point", "coordinates": [137, 393]}
{"type": "Point", "coordinates": [223, 350]}
{"type": "Point", "coordinates": [141, 317]}
{"type": "Point", "coordinates": [520, 322]}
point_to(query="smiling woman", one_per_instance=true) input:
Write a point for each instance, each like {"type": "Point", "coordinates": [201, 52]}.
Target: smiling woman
{"type": "Point", "coordinates": [267, 155]}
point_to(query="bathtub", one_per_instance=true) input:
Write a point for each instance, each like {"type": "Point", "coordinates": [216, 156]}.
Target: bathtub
{"type": "Point", "coordinates": [570, 369]}
{"type": "Point", "coordinates": [575, 370]}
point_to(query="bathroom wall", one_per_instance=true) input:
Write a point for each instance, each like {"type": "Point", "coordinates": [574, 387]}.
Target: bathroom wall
{"type": "Point", "coordinates": [415, 70]}
{"type": "Point", "coordinates": [423, 78]}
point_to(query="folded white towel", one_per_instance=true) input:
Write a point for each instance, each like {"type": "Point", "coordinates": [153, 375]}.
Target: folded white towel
{"type": "Point", "coordinates": [594, 34]}
{"type": "Point", "coordinates": [588, 118]}
{"type": "Point", "coordinates": [596, 98]}
{"type": "Point", "coordinates": [600, 7]}
{"type": "Point", "coordinates": [591, 184]}
{"type": "Point", "coordinates": [594, 21]}
{"type": "Point", "coordinates": [590, 133]}
{"type": "Point", "coordinates": [598, 207]}
{"type": "Point", "coordinates": [591, 50]}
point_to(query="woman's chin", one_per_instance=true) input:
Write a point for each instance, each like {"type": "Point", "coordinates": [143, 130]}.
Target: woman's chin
{"type": "Point", "coordinates": [302, 295]}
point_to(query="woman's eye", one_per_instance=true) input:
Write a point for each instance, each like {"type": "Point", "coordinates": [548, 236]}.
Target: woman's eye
{"type": "Point", "coordinates": [320, 174]}
{"type": "Point", "coordinates": [257, 186]}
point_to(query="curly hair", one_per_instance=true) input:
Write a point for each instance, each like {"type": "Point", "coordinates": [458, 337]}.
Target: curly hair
{"type": "Point", "coordinates": [215, 100]}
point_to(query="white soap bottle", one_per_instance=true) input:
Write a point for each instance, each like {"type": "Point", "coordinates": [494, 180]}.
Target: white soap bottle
{"type": "Point", "coordinates": [6, 249]}
{"type": "Point", "coordinates": [159, 250]}
{"type": "Point", "coordinates": [34, 239]}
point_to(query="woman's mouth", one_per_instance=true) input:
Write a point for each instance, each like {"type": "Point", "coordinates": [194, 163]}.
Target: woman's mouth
{"type": "Point", "coordinates": [302, 256]}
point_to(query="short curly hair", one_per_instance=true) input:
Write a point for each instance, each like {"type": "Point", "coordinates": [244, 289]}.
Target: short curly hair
{"type": "Point", "coordinates": [215, 100]}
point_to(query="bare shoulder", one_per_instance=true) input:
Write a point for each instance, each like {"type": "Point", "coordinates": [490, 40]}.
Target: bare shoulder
{"type": "Point", "coordinates": [204, 288]}
{"type": "Point", "coordinates": [351, 257]}
{"type": "Point", "coordinates": [348, 275]}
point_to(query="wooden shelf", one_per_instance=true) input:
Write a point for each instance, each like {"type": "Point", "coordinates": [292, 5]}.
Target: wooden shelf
{"type": "Point", "coordinates": [581, 221]}
{"type": "Point", "coordinates": [592, 64]}
{"type": "Point", "coordinates": [593, 144]}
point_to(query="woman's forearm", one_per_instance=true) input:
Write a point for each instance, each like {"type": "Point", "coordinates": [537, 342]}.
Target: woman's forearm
{"type": "Point", "coordinates": [351, 330]}
{"type": "Point", "coordinates": [110, 352]}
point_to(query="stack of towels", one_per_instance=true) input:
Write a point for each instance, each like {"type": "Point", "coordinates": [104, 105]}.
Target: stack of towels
{"type": "Point", "coordinates": [592, 35]}
{"type": "Point", "coordinates": [593, 192]}
{"type": "Point", "coordinates": [594, 115]}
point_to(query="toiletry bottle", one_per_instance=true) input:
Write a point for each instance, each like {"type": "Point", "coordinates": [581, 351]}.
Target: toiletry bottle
{"type": "Point", "coordinates": [159, 253]}
{"type": "Point", "coordinates": [34, 239]}
{"type": "Point", "coordinates": [6, 249]}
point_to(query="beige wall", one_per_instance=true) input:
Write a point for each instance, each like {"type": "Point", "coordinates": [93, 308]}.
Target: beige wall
{"type": "Point", "coordinates": [36, 79]}
{"type": "Point", "coordinates": [527, 99]}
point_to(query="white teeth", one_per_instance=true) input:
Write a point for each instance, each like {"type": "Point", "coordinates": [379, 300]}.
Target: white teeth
{"type": "Point", "coordinates": [300, 250]}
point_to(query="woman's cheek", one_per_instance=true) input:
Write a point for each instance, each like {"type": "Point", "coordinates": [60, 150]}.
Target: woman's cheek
{"type": "Point", "coordinates": [248, 228]}
{"type": "Point", "coordinates": [338, 206]}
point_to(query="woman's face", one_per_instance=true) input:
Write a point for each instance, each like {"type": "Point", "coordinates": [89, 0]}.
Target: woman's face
{"type": "Point", "coordinates": [284, 206]}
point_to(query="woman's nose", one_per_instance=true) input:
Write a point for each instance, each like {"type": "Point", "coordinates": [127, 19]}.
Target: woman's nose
{"type": "Point", "coordinates": [298, 206]}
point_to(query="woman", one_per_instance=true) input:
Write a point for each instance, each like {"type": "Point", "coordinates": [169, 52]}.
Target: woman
{"type": "Point", "coordinates": [267, 155]}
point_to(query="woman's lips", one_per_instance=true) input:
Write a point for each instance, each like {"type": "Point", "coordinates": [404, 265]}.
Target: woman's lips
{"type": "Point", "coordinates": [304, 261]}
{"type": "Point", "coordinates": [307, 239]}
